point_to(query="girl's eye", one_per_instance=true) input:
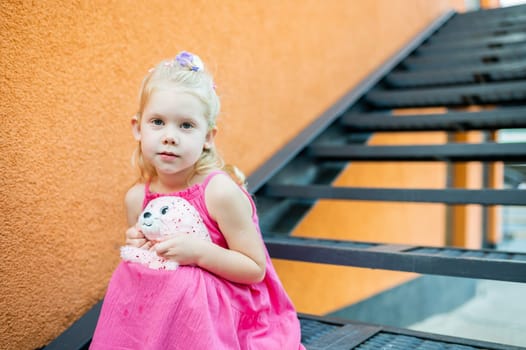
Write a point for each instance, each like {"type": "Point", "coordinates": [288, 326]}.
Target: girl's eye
{"type": "Point", "coordinates": [187, 125]}
{"type": "Point", "coordinates": [157, 122]}
{"type": "Point", "coordinates": [164, 210]}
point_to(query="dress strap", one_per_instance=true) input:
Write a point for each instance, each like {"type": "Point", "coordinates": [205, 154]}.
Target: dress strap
{"type": "Point", "coordinates": [147, 194]}
{"type": "Point", "coordinates": [211, 175]}
{"type": "Point", "coordinates": [147, 187]}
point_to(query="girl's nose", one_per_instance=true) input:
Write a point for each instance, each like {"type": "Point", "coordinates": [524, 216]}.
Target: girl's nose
{"type": "Point", "coordinates": [170, 138]}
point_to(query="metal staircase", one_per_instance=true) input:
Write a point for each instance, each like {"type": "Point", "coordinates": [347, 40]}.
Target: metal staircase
{"type": "Point", "coordinates": [460, 60]}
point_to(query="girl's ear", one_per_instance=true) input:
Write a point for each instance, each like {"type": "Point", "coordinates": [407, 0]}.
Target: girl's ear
{"type": "Point", "coordinates": [136, 128]}
{"type": "Point", "coordinates": [209, 141]}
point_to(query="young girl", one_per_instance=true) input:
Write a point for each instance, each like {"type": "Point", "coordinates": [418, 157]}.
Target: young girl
{"type": "Point", "coordinates": [225, 294]}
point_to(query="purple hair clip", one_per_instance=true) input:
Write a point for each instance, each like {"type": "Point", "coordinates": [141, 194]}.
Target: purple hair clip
{"type": "Point", "coordinates": [186, 60]}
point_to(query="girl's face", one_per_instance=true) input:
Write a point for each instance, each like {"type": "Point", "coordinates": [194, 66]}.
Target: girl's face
{"type": "Point", "coordinates": [173, 131]}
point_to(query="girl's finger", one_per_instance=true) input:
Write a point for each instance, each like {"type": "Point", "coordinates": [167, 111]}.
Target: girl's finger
{"type": "Point", "coordinates": [135, 242]}
{"type": "Point", "coordinates": [160, 247]}
{"type": "Point", "coordinates": [135, 234]}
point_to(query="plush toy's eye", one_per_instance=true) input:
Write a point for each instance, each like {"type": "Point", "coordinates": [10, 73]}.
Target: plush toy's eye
{"type": "Point", "coordinates": [146, 215]}
{"type": "Point", "coordinates": [164, 210]}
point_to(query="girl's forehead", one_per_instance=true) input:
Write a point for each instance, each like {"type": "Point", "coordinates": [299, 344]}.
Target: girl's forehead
{"type": "Point", "coordinates": [173, 101]}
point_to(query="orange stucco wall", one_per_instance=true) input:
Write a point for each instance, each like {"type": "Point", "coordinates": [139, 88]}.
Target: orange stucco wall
{"type": "Point", "coordinates": [69, 79]}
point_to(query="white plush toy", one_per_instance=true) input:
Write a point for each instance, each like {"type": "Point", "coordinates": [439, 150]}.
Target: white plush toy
{"type": "Point", "coordinates": [163, 217]}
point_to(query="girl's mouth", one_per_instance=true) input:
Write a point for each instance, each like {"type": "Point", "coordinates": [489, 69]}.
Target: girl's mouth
{"type": "Point", "coordinates": [168, 155]}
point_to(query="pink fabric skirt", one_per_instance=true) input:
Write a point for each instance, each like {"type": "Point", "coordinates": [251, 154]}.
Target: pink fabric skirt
{"type": "Point", "coordinates": [189, 308]}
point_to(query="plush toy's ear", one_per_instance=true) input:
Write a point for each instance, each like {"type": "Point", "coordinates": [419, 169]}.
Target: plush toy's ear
{"type": "Point", "coordinates": [136, 129]}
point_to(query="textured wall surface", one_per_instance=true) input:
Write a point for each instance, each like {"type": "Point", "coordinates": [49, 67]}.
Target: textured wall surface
{"type": "Point", "coordinates": [69, 77]}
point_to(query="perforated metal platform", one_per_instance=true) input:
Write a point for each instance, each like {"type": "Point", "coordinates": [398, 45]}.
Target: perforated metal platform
{"type": "Point", "coordinates": [332, 334]}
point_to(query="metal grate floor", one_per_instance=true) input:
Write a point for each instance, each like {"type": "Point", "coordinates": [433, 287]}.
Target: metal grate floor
{"type": "Point", "coordinates": [312, 330]}
{"type": "Point", "coordinates": [334, 334]}
{"type": "Point", "coordinates": [391, 341]}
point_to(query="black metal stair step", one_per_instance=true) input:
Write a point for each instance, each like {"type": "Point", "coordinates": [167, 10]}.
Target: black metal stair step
{"type": "Point", "coordinates": [489, 23]}
{"type": "Point", "coordinates": [446, 261]}
{"type": "Point", "coordinates": [476, 73]}
{"type": "Point", "coordinates": [489, 93]}
{"type": "Point", "coordinates": [499, 118]}
{"type": "Point", "coordinates": [455, 152]}
{"type": "Point", "coordinates": [498, 27]}
{"type": "Point", "coordinates": [459, 22]}
{"type": "Point", "coordinates": [511, 51]}
{"type": "Point", "coordinates": [327, 333]}
{"type": "Point", "coordinates": [454, 48]}
{"type": "Point", "coordinates": [445, 196]}
{"type": "Point", "coordinates": [500, 12]}
{"type": "Point", "coordinates": [78, 336]}
{"type": "Point", "coordinates": [437, 43]}
{"type": "Point", "coordinates": [465, 58]}
{"type": "Point", "coordinates": [478, 33]}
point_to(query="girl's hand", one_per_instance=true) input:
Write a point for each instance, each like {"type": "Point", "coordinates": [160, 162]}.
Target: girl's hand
{"type": "Point", "coordinates": [136, 238]}
{"type": "Point", "coordinates": [183, 249]}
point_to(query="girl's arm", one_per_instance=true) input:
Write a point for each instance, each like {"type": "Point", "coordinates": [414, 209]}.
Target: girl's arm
{"type": "Point", "coordinates": [133, 201]}
{"type": "Point", "coordinates": [244, 260]}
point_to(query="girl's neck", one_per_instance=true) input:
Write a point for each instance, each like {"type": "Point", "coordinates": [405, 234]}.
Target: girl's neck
{"type": "Point", "coordinates": [170, 184]}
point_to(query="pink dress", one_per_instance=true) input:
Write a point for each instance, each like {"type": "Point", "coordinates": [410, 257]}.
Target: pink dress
{"type": "Point", "coordinates": [192, 309]}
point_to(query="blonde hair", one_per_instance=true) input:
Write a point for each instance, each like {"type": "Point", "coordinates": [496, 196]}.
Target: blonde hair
{"type": "Point", "coordinates": [187, 72]}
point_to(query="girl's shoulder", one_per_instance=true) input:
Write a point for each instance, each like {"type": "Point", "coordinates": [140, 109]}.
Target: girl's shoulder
{"type": "Point", "coordinates": [135, 195]}
{"type": "Point", "coordinates": [219, 183]}
{"type": "Point", "coordinates": [223, 193]}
